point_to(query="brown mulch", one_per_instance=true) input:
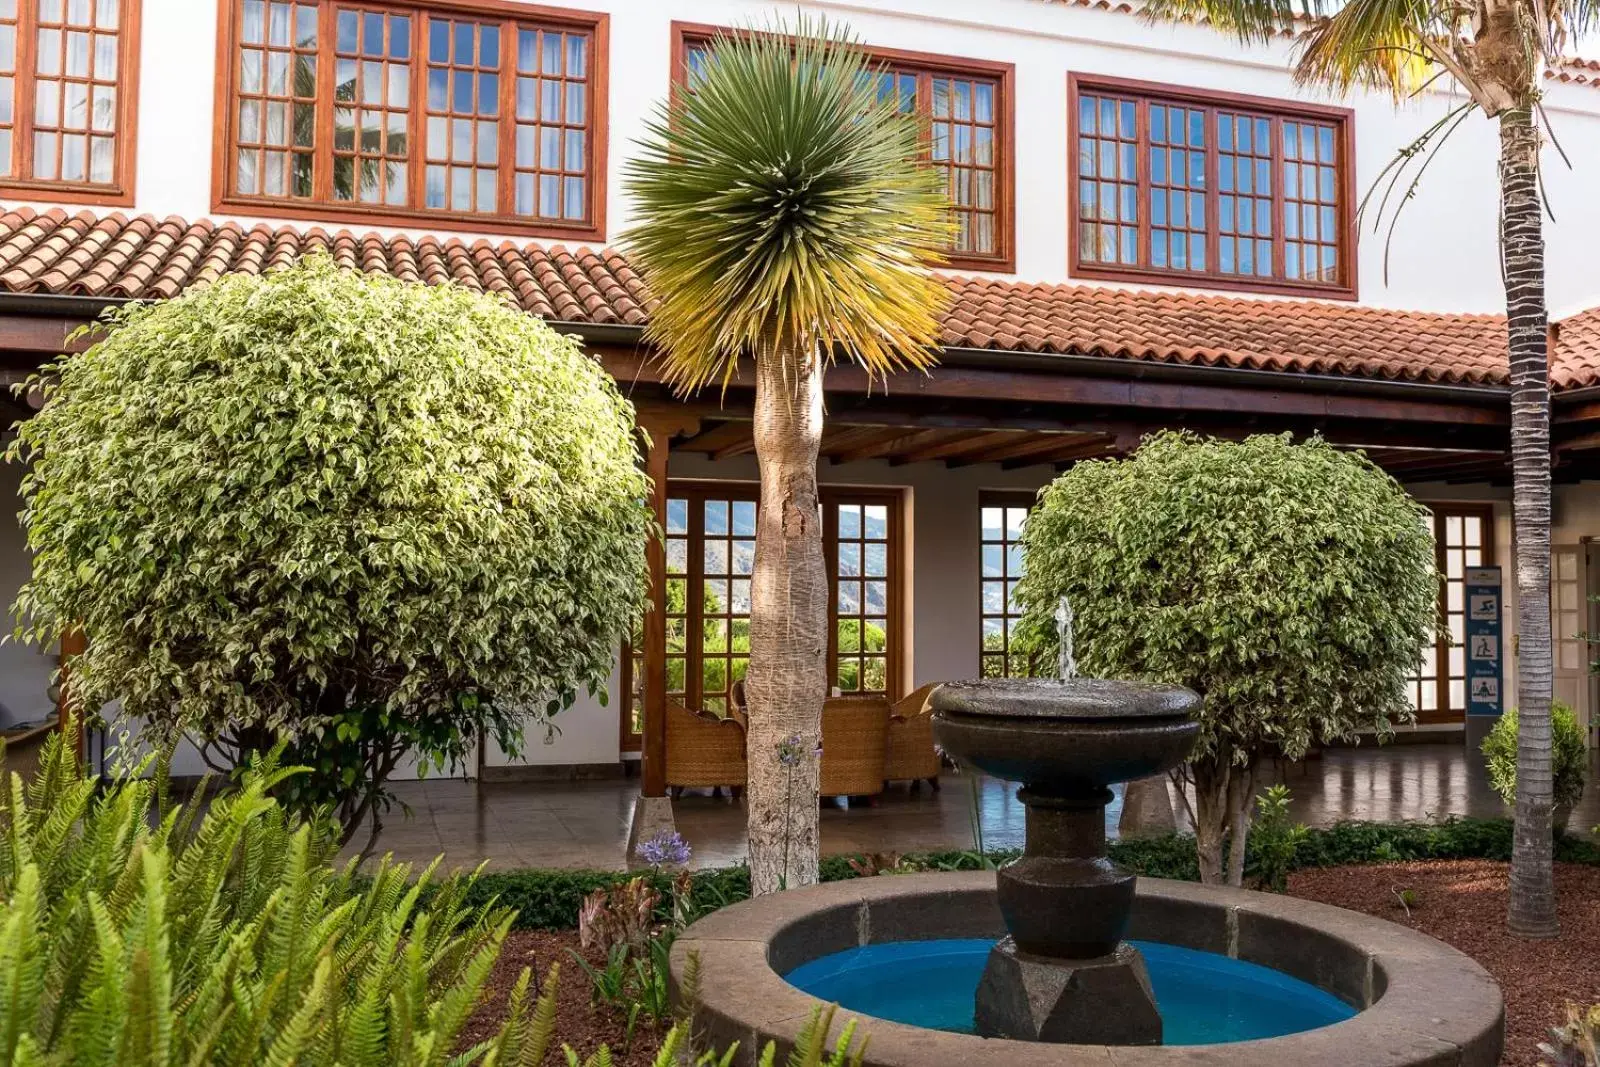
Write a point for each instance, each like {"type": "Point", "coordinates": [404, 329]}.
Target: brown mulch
{"type": "Point", "coordinates": [1463, 903]}
{"type": "Point", "coordinates": [579, 1023]}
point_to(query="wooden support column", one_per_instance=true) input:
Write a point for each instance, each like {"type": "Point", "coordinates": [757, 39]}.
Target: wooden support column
{"type": "Point", "coordinates": [652, 812]}
{"type": "Point", "coordinates": [654, 755]}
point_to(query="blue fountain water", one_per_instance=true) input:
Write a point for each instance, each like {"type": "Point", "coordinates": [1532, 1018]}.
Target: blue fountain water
{"type": "Point", "coordinates": [1204, 998]}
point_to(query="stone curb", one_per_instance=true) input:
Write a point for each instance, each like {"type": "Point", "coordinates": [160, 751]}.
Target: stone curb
{"type": "Point", "coordinates": [1423, 1002]}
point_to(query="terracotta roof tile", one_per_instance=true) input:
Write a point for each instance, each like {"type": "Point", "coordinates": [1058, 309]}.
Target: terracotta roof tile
{"type": "Point", "coordinates": [82, 254]}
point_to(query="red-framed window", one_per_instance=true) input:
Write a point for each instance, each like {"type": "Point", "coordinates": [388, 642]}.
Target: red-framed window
{"type": "Point", "coordinates": [68, 81]}
{"type": "Point", "coordinates": [968, 109]}
{"type": "Point", "coordinates": [1219, 190]}
{"type": "Point", "coordinates": [488, 113]}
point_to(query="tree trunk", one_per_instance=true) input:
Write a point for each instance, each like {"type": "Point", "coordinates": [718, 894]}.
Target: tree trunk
{"type": "Point", "coordinates": [1532, 911]}
{"type": "Point", "coordinates": [787, 680]}
{"type": "Point", "coordinates": [1222, 794]}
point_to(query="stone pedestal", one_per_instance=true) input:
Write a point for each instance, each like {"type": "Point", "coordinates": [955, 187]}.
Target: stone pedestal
{"type": "Point", "coordinates": [651, 816]}
{"type": "Point", "coordinates": [1102, 1001]}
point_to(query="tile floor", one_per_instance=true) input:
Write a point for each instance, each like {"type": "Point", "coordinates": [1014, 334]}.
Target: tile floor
{"type": "Point", "coordinates": [585, 824]}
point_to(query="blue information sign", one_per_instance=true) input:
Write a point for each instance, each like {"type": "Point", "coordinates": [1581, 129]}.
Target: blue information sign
{"type": "Point", "coordinates": [1485, 675]}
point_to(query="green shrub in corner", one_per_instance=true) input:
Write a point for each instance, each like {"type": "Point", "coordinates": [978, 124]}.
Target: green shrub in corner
{"type": "Point", "coordinates": [134, 936]}
{"type": "Point", "coordinates": [379, 520]}
{"type": "Point", "coordinates": [1569, 757]}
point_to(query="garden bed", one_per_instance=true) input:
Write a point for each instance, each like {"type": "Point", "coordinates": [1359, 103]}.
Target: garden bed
{"type": "Point", "coordinates": [1463, 903]}
{"type": "Point", "coordinates": [579, 1023]}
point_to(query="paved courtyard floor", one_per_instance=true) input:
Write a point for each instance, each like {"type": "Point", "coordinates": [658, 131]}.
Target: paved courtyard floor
{"type": "Point", "coordinates": [585, 824]}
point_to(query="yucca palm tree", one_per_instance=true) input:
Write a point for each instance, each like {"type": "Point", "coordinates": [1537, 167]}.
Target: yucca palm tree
{"type": "Point", "coordinates": [1496, 52]}
{"type": "Point", "coordinates": [784, 221]}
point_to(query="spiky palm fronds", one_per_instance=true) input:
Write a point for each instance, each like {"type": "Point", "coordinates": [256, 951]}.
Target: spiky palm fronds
{"type": "Point", "coordinates": [782, 208]}
{"type": "Point", "coordinates": [1492, 48]}
{"type": "Point", "coordinates": [135, 937]}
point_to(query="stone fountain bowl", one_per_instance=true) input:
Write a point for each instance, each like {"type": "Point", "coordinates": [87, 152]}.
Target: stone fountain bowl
{"type": "Point", "coordinates": [1066, 735]}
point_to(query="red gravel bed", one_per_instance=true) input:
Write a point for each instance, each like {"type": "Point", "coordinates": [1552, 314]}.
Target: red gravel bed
{"type": "Point", "coordinates": [579, 1023]}
{"type": "Point", "coordinates": [1463, 903]}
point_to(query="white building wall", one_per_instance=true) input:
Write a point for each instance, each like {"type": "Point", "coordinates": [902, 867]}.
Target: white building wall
{"type": "Point", "coordinates": [1443, 255]}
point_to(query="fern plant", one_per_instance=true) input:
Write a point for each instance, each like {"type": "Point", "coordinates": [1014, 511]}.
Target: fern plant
{"type": "Point", "coordinates": [529, 1034]}
{"type": "Point", "coordinates": [133, 934]}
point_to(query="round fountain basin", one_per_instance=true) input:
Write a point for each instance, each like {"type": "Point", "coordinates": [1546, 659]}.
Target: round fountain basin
{"type": "Point", "coordinates": [1066, 734]}
{"type": "Point", "coordinates": [1204, 998]}
{"type": "Point", "coordinates": [1411, 1000]}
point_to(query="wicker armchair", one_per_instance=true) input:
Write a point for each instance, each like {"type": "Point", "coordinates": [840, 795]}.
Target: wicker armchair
{"type": "Point", "coordinates": [855, 738]}
{"type": "Point", "coordinates": [704, 750]}
{"type": "Point", "coordinates": [911, 756]}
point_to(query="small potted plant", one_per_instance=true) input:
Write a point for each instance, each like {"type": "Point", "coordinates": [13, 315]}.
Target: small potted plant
{"type": "Point", "coordinates": [1569, 760]}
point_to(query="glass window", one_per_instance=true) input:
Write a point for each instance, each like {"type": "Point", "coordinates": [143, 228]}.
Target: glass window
{"type": "Point", "coordinates": [967, 114]}
{"type": "Point", "coordinates": [474, 116]}
{"type": "Point", "coordinates": [710, 554]}
{"type": "Point", "coordinates": [1000, 520]}
{"type": "Point", "coordinates": [1183, 185]}
{"type": "Point", "coordinates": [64, 79]}
{"type": "Point", "coordinates": [1463, 537]}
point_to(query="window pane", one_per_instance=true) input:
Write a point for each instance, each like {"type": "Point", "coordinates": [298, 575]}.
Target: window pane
{"type": "Point", "coordinates": [999, 530]}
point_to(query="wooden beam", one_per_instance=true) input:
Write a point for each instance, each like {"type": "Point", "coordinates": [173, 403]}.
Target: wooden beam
{"type": "Point", "coordinates": [973, 384]}
{"type": "Point", "coordinates": [654, 749]}
{"type": "Point", "coordinates": [894, 440]}
{"type": "Point", "coordinates": [954, 447]}
{"type": "Point", "coordinates": [1030, 446]}
{"type": "Point", "coordinates": [45, 335]}
{"type": "Point", "coordinates": [1088, 450]}
{"type": "Point", "coordinates": [714, 437]}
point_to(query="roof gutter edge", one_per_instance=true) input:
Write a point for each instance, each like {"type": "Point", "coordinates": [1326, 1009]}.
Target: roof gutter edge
{"type": "Point", "coordinates": [89, 307]}
{"type": "Point", "coordinates": [1107, 366]}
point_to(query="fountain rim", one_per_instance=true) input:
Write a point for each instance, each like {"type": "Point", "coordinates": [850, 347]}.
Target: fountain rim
{"type": "Point", "coordinates": [1418, 998]}
{"type": "Point", "coordinates": [1077, 700]}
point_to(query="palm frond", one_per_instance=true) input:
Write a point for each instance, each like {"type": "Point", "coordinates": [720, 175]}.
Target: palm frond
{"type": "Point", "coordinates": [783, 208]}
{"type": "Point", "coordinates": [1254, 21]}
{"type": "Point", "coordinates": [1392, 46]}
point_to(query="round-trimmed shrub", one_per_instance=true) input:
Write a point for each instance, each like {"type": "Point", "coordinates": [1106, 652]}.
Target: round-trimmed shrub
{"type": "Point", "coordinates": [376, 518]}
{"type": "Point", "coordinates": [1569, 755]}
{"type": "Point", "coordinates": [1291, 585]}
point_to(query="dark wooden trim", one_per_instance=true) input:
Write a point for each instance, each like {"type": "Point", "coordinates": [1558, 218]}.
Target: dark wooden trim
{"type": "Point", "coordinates": [654, 750]}
{"type": "Point", "coordinates": [1441, 510]}
{"type": "Point", "coordinates": [972, 384]}
{"type": "Point", "coordinates": [1343, 120]}
{"type": "Point", "coordinates": [1004, 258]}
{"type": "Point", "coordinates": [120, 191]}
{"type": "Point", "coordinates": [323, 208]}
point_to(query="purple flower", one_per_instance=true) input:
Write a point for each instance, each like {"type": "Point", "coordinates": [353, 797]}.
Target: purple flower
{"type": "Point", "coordinates": [666, 848]}
{"type": "Point", "coordinates": [792, 749]}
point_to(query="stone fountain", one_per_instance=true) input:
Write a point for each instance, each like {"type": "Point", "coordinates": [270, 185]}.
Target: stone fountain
{"type": "Point", "coordinates": [1064, 972]}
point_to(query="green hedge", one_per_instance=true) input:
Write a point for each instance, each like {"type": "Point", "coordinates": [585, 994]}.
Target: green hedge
{"type": "Point", "coordinates": [549, 899]}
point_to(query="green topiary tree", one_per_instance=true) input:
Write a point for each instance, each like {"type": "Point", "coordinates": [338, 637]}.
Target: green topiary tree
{"type": "Point", "coordinates": [1569, 762]}
{"type": "Point", "coordinates": [373, 518]}
{"type": "Point", "coordinates": [1291, 585]}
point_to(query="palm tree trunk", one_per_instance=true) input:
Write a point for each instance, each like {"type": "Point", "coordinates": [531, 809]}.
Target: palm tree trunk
{"type": "Point", "coordinates": [787, 680]}
{"type": "Point", "coordinates": [1532, 910]}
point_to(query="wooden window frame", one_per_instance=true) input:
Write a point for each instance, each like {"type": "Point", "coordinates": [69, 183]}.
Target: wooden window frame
{"type": "Point", "coordinates": [696, 491]}
{"type": "Point", "coordinates": [119, 192]}
{"type": "Point", "coordinates": [322, 207]}
{"type": "Point", "coordinates": [999, 498]}
{"type": "Point", "coordinates": [1343, 119]}
{"type": "Point", "coordinates": [1439, 512]}
{"type": "Point", "coordinates": [1004, 258]}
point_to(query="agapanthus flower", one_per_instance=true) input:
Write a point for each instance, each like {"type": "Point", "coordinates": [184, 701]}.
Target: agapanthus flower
{"type": "Point", "coordinates": [666, 848]}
